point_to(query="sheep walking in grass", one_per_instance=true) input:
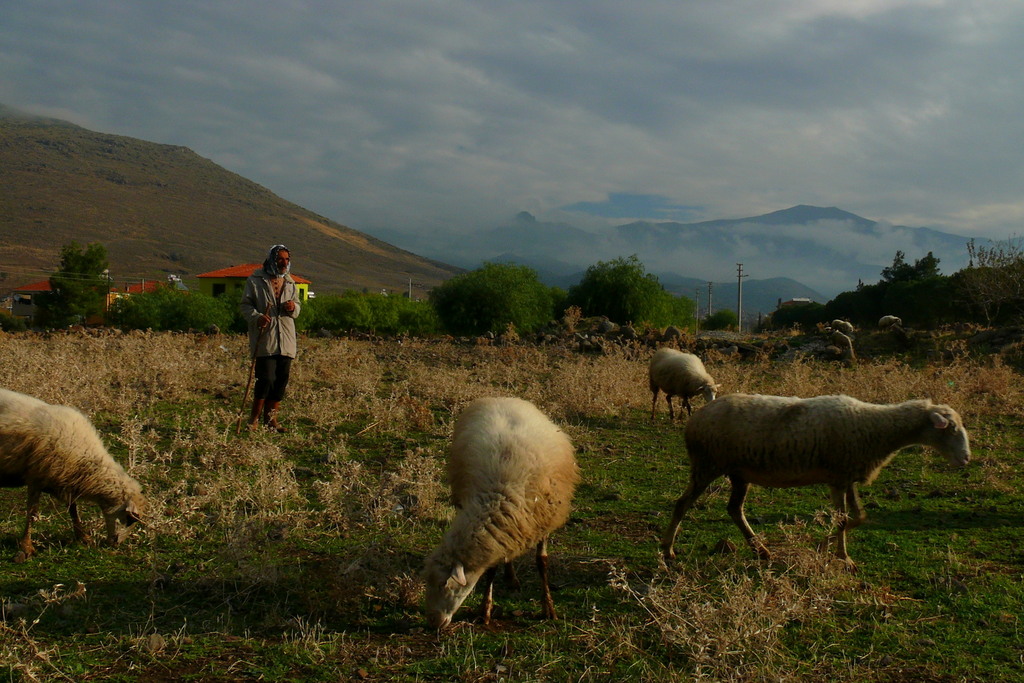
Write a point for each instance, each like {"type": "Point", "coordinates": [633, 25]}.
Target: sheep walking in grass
{"type": "Point", "coordinates": [782, 442]}
{"type": "Point", "coordinates": [56, 450]}
{"type": "Point", "coordinates": [678, 374]}
{"type": "Point", "coordinates": [512, 474]}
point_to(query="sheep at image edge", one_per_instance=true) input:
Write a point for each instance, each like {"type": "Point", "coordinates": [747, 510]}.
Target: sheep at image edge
{"type": "Point", "coordinates": [782, 442]}
{"type": "Point", "coordinates": [56, 450]}
{"type": "Point", "coordinates": [512, 474]}
{"type": "Point", "coordinates": [678, 374]}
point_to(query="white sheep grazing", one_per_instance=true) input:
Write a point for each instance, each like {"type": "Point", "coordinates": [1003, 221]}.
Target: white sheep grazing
{"type": "Point", "coordinates": [843, 326]}
{"type": "Point", "coordinates": [781, 442]}
{"type": "Point", "coordinates": [678, 374]}
{"type": "Point", "coordinates": [887, 321]}
{"type": "Point", "coordinates": [56, 450]}
{"type": "Point", "coordinates": [512, 474]}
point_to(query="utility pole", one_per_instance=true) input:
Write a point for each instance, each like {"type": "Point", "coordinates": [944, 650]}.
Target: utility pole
{"type": "Point", "coordinates": [709, 298]}
{"type": "Point", "coordinates": [696, 312]}
{"type": "Point", "coordinates": [739, 297]}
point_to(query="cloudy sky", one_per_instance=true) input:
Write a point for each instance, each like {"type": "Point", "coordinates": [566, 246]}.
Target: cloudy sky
{"type": "Point", "coordinates": [416, 115]}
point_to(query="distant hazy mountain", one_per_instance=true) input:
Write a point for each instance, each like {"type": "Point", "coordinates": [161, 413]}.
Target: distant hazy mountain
{"type": "Point", "coordinates": [814, 250]}
{"type": "Point", "coordinates": [161, 209]}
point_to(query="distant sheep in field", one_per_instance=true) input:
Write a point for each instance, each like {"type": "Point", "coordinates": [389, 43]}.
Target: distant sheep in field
{"type": "Point", "coordinates": [678, 374]}
{"type": "Point", "coordinates": [512, 474]}
{"type": "Point", "coordinates": [782, 442]}
{"type": "Point", "coordinates": [56, 450]}
{"type": "Point", "coordinates": [887, 321]}
{"type": "Point", "coordinates": [843, 326]}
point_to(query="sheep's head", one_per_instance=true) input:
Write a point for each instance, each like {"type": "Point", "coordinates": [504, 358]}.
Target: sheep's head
{"type": "Point", "coordinates": [948, 436]}
{"type": "Point", "coordinates": [127, 514]}
{"type": "Point", "coordinates": [448, 585]}
{"type": "Point", "coordinates": [710, 391]}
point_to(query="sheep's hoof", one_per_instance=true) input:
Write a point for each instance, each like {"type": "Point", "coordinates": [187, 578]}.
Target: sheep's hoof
{"type": "Point", "coordinates": [849, 565]}
{"type": "Point", "coordinates": [763, 553]}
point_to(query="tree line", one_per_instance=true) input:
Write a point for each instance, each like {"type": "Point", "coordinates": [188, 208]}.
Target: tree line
{"type": "Point", "coordinates": [989, 291]}
{"type": "Point", "coordinates": [498, 297]}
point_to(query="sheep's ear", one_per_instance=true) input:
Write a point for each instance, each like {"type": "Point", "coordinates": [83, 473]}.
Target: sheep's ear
{"type": "Point", "coordinates": [134, 513]}
{"type": "Point", "coordinates": [458, 577]}
{"type": "Point", "coordinates": [939, 421]}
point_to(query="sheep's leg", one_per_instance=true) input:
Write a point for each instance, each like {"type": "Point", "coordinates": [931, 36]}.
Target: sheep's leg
{"type": "Point", "coordinates": [654, 401]}
{"type": "Point", "coordinates": [510, 576]}
{"type": "Point", "coordinates": [855, 516]}
{"type": "Point", "coordinates": [487, 606]}
{"type": "Point", "coordinates": [740, 487]}
{"type": "Point", "coordinates": [547, 601]}
{"type": "Point", "coordinates": [842, 499]}
{"type": "Point", "coordinates": [31, 515]}
{"type": "Point", "coordinates": [855, 513]}
{"type": "Point", "coordinates": [686, 404]}
{"type": "Point", "coordinates": [671, 413]}
{"type": "Point", "coordinates": [81, 535]}
{"type": "Point", "coordinates": [698, 484]}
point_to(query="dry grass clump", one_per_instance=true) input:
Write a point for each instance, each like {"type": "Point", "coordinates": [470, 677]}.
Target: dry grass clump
{"type": "Point", "coordinates": [604, 386]}
{"type": "Point", "coordinates": [78, 370]}
{"type": "Point", "coordinates": [25, 657]}
{"type": "Point", "coordinates": [357, 495]}
{"type": "Point", "coordinates": [727, 620]}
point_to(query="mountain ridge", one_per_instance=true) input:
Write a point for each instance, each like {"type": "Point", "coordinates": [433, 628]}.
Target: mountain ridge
{"type": "Point", "coordinates": [163, 209]}
{"type": "Point", "coordinates": [825, 249]}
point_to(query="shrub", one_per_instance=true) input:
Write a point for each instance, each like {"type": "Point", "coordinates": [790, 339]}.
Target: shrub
{"type": "Point", "coordinates": [379, 313]}
{"type": "Point", "coordinates": [493, 297]}
{"type": "Point", "coordinates": [8, 323]}
{"type": "Point", "coordinates": [623, 291]}
{"type": "Point", "coordinates": [721, 320]}
{"type": "Point", "coordinates": [170, 309]}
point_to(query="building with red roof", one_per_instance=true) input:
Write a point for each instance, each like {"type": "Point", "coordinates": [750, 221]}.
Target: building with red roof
{"type": "Point", "coordinates": [231, 281]}
{"type": "Point", "coordinates": [23, 304]}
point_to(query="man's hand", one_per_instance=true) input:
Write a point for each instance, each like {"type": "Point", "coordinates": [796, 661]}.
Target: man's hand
{"type": "Point", "coordinates": [263, 321]}
{"type": "Point", "coordinates": [288, 306]}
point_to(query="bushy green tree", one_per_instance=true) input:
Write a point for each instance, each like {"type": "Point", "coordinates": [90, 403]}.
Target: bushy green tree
{"type": "Point", "coordinates": [170, 309]}
{"type": "Point", "coordinates": [806, 316]}
{"type": "Point", "coordinates": [491, 298]}
{"type": "Point", "coordinates": [354, 311]}
{"type": "Point", "coordinates": [922, 303]}
{"type": "Point", "coordinates": [862, 306]}
{"type": "Point", "coordinates": [918, 293]}
{"type": "Point", "coordinates": [78, 290]}
{"type": "Point", "coordinates": [722, 319]}
{"type": "Point", "coordinates": [901, 271]}
{"type": "Point", "coordinates": [624, 291]}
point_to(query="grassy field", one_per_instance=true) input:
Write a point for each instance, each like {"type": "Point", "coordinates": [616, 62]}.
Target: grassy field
{"type": "Point", "coordinates": [297, 556]}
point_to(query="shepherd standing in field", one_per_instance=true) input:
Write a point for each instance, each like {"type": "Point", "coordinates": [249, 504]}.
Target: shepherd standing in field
{"type": "Point", "coordinates": [270, 304]}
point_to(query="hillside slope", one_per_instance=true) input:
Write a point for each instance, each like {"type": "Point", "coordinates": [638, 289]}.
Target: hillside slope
{"type": "Point", "coordinates": [162, 209]}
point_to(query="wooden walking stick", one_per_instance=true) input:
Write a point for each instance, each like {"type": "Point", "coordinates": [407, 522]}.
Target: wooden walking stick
{"type": "Point", "coordinates": [252, 370]}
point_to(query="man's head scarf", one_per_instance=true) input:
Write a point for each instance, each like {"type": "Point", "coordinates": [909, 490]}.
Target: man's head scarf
{"type": "Point", "coordinates": [270, 265]}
